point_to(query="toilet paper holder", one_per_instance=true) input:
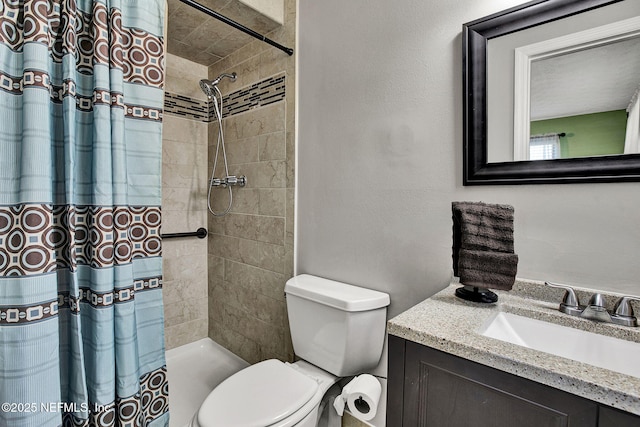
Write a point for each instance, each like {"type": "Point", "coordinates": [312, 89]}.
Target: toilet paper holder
{"type": "Point", "coordinates": [361, 395]}
{"type": "Point", "coordinates": [362, 406]}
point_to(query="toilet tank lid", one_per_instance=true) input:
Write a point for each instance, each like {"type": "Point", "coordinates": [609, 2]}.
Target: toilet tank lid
{"type": "Point", "coordinates": [335, 294]}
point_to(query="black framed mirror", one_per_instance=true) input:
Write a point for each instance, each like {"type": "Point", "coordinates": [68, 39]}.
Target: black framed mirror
{"type": "Point", "coordinates": [477, 169]}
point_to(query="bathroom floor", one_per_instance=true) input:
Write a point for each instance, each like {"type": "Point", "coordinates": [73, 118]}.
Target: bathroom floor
{"type": "Point", "coordinates": [194, 370]}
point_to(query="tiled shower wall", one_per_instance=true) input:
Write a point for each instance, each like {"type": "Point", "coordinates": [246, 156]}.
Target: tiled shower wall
{"type": "Point", "coordinates": [251, 249]}
{"type": "Point", "coordinates": [184, 208]}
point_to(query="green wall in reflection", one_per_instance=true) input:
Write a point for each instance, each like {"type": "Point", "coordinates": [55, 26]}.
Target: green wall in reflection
{"type": "Point", "coordinates": [587, 135]}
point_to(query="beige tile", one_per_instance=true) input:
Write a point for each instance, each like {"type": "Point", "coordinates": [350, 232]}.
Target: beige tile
{"type": "Point", "coordinates": [242, 151]}
{"type": "Point", "coordinates": [181, 289]}
{"type": "Point", "coordinates": [173, 5]}
{"type": "Point", "coordinates": [246, 200]}
{"type": "Point", "coordinates": [185, 333]}
{"type": "Point", "coordinates": [290, 217]}
{"type": "Point", "coordinates": [187, 175]}
{"type": "Point", "coordinates": [216, 224]}
{"type": "Point", "coordinates": [185, 87]}
{"type": "Point", "coordinates": [249, 17]}
{"type": "Point", "coordinates": [181, 221]}
{"type": "Point", "coordinates": [208, 34]}
{"type": "Point", "coordinates": [349, 421]}
{"type": "Point", "coordinates": [185, 311]}
{"type": "Point", "coordinates": [183, 130]}
{"type": "Point", "coordinates": [183, 21]}
{"type": "Point", "coordinates": [185, 154]}
{"type": "Point", "coordinates": [233, 61]}
{"type": "Point", "coordinates": [248, 71]}
{"type": "Point", "coordinates": [256, 122]}
{"type": "Point", "coordinates": [290, 171]}
{"type": "Point", "coordinates": [265, 335]}
{"type": "Point", "coordinates": [235, 342]}
{"type": "Point", "coordinates": [270, 62]}
{"type": "Point", "coordinates": [216, 305]}
{"type": "Point", "coordinates": [182, 75]}
{"type": "Point", "coordinates": [216, 268]}
{"type": "Point", "coordinates": [258, 254]}
{"type": "Point", "coordinates": [268, 174]}
{"type": "Point", "coordinates": [189, 52]}
{"type": "Point", "coordinates": [259, 280]}
{"type": "Point", "coordinates": [231, 42]}
{"type": "Point", "coordinates": [272, 146]}
{"type": "Point", "coordinates": [245, 302]}
{"type": "Point", "coordinates": [216, 5]}
{"type": "Point", "coordinates": [290, 11]}
{"type": "Point", "coordinates": [254, 227]}
{"type": "Point", "coordinates": [192, 270]}
{"type": "Point", "coordinates": [288, 260]}
{"type": "Point", "coordinates": [271, 201]}
{"type": "Point", "coordinates": [289, 353]}
{"type": "Point", "coordinates": [183, 268]}
{"type": "Point", "coordinates": [181, 67]}
{"type": "Point", "coordinates": [184, 199]}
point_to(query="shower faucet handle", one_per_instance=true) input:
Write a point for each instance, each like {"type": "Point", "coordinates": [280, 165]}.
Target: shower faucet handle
{"type": "Point", "coordinates": [228, 180]}
{"type": "Point", "coordinates": [236, 180]}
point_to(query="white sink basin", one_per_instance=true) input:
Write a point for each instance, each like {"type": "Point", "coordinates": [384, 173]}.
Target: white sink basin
{"type": "Point", "coordinates": [599, 350]}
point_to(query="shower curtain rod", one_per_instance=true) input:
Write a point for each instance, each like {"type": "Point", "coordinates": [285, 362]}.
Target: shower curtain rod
{"type": "Point", "coordinates": [560, 134]}
{"type": "Point", "coordinates": [236, 25]}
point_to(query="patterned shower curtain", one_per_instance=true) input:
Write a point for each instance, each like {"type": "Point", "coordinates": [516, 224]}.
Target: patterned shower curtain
{"type": "Point", "coordinates": [81, 316]}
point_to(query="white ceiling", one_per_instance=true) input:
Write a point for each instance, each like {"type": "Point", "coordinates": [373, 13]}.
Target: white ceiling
{"type": "Point", "coordinates": [589, 81]}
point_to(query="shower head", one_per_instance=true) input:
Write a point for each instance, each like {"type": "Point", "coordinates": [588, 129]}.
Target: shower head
{"type": "Point", "coordinates": [231, 76]}
{"type": "Point", "coordinates": [208, 85]}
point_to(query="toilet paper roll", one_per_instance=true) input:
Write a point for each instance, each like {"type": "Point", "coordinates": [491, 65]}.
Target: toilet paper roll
{"type": "Point", "coordinates": [361, 396]}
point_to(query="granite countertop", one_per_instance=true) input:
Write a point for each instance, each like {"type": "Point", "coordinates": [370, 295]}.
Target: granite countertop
{"type": "Point", "coordinates": [450, 324]}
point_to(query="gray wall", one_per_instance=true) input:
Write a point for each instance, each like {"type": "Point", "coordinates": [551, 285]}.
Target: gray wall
{"type": "Point", "coordinates": [380, 161]}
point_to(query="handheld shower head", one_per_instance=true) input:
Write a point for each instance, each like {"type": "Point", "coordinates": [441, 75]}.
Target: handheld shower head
{"type": "Point", "coordinates": [208, 85]}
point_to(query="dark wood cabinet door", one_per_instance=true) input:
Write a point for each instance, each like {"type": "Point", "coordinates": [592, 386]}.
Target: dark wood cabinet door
{"type": "Point", "coordinates": [609, 417]}
{"type": "Point", "coordinates": [442, 390]}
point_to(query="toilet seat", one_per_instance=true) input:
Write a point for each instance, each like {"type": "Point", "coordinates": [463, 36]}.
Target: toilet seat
{"type": "Point", "coordinates": [258, 396]}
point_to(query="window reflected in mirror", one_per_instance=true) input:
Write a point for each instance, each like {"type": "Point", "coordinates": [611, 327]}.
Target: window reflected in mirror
{"type": "Point", "coordinates": [581, 101]}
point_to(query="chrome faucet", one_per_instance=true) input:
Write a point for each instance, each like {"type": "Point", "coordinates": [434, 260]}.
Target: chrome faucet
{"type": "Point", "coordinates": [622, 313]}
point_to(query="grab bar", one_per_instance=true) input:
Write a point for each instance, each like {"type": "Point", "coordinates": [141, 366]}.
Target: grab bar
{"type": "Point", "coordinates": [201, 233]}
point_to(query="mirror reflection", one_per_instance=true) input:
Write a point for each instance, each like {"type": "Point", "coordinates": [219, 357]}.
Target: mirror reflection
{"type": "Point", "coordinates": [543, 38]}
{"type": "Point", "coordinates": [584, 103]}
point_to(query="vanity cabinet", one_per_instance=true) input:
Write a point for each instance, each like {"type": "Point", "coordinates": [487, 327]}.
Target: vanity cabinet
{"type": "Point", "coordinates": [431, 388]}
{"type": "Point", "coordinates": [609, 417]}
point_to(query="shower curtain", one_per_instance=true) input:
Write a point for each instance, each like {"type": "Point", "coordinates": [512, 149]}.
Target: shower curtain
{"type": "Point", "coordinates": [81, 315]}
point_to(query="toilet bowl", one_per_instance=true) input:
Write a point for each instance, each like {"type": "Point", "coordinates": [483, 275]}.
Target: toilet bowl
{"type": "Point", "coordinates": [336, 329]}
{"type": "Point", "coordinates": [268, 394]}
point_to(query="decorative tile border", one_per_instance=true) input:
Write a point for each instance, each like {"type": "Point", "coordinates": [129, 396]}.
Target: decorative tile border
{"type": "Point", "coordinates": [257, 95]}
{"type": "Point", "coordinates": [183, 106]}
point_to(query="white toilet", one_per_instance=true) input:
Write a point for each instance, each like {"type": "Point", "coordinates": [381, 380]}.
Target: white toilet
{"type": "Point", "coordinates": [337, 329]}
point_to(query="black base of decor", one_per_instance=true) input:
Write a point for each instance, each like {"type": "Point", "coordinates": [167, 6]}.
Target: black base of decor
{"type": "Point", "coordinates": [476, 294]}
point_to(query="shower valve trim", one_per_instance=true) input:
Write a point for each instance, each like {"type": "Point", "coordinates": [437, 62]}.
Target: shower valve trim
{"type": "Point", "coordinates": [229, 180]}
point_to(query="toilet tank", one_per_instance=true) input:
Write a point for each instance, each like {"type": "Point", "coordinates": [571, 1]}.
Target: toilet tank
{"type": "Point", "coordinates": [335, 326]}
